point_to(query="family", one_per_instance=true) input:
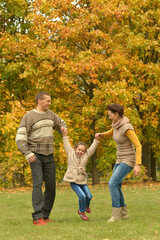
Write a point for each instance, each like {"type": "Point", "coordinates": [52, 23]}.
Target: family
{"type": "Point", "coordinates": [35, 140]}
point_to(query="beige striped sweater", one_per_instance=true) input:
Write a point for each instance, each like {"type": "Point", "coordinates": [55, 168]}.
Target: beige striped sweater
{"type": "Point", "coordinates": [35, 133]}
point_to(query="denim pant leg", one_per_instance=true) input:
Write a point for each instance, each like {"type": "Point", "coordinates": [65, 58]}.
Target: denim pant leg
{"type": "Point", "coordinates": [120, 171]}
{"type": "Point", "coordinates": [50, 185]}
{"type": "Point", "coordinates": [37, 194]}
{"type": "Point", "coordinates": [88, 194]}
{"type": "Point", "coordinates": [43, 169]}
{"type": "Point", "coordinates": [81, 195]}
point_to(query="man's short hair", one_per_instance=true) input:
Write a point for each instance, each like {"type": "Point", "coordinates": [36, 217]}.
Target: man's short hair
{"type": "Point", "coordinates": [40, 95]}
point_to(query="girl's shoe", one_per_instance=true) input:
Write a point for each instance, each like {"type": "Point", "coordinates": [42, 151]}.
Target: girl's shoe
{"type": "Point", "coordinates": [83, 215]}
{"type": "Point", "coordinates": [88, 210]}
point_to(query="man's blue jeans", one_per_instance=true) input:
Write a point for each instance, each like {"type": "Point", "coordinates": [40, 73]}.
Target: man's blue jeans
{"type": "Point", "coordinates": [120, 171]}
{"type": "Point", "coordinates": [84, 195]}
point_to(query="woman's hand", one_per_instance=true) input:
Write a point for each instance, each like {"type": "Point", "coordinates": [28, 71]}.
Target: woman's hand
{"type": "Point", "coordinates": [137, 169]}
{"type": "Point", "coordinates": [98, 136]}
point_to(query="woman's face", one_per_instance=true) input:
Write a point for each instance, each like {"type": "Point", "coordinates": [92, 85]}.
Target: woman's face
{"type": "Point", "coordinates": [113, 116]}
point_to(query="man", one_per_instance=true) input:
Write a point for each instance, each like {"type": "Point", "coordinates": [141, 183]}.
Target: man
{"type": "Point", "coordinates": [35, 140]}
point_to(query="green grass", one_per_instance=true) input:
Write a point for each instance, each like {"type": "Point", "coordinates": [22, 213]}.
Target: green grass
{"type": "Point", "coordinates": [143, 205]}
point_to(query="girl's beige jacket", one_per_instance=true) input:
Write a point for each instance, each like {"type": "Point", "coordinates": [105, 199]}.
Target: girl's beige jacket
{"type": "Point", "coordinates": [76, 171]}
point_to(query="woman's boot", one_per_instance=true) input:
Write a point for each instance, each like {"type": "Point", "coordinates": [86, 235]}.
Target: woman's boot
{"type": "Point", "coordinates": [124, 213]}
{"type": "Point", "coordinates": [115, 214]}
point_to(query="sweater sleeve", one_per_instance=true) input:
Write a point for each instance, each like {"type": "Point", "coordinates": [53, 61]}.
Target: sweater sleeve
{"type": "Point", "coordinates": [134, 139]}
{"type": "Point", "coordinates": [59, 123]}
{"type": "Point", "coordinates": [22, 139]}
{"type": "Point", "coordinates": [67, 145]}
{"type": "Point", "coordinates": [92, 148]}
{"type": "Point", "coordinates": [108, 134]}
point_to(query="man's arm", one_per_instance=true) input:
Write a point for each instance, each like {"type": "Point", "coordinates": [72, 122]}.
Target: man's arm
{"type": "Point", "coordinates": [21, 141]}
{"type": "Point", "coordinates": [59, 123]}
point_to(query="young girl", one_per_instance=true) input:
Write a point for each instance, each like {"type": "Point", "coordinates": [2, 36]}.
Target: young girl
{"type": "Point", "coordinates": [76, 171]}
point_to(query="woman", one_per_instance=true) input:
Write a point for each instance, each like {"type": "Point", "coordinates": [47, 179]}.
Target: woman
{"type": "Point", "coordinates": [127, 159]}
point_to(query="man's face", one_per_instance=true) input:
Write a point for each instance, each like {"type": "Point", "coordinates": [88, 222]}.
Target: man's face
{"type": "Point", "coordinates": [44, 103]}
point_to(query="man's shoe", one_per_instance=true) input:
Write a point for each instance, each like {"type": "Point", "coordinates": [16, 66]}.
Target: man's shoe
{"type": "Point", "coordinates": [83, 215]}
{"type": "Point", "coordinates": [47, 220]}
{"type": "Point", "coordinates": [88, 210]}
{"type": "Point", "coordinates": [39, 222]}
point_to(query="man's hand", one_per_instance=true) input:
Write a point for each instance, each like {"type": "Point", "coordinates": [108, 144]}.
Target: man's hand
{"type": "Point", "coordinates": [31, 159]}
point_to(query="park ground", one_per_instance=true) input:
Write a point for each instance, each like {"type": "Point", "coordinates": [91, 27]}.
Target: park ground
{"type": "Point", "coordinates": [143, 200]}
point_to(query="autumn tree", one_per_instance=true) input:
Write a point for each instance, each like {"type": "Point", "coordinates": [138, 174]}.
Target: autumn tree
{"type": "Point", "coordinates": [14, 90]}
{"type": "Point", "coordinates": [13, 26]}
{"type": "Point", "coordinates": [87, 54]}
{"type": "Point", "coordinates": [100, 48]}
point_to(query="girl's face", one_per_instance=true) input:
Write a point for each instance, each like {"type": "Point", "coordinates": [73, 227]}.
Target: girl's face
{"type": "Point", "coordinates": [80, 151]}
{"type": "Point", "coordinates": [113, 116]}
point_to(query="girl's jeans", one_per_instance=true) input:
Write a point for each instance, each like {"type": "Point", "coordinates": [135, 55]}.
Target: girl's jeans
{"type": "Point", "coordinates": [84, 195]}
{"type": "Point", "coordinates": [120, 171]}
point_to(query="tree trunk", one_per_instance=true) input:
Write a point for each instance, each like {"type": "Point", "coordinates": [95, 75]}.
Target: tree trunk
{"type": "Point", "coordinates": [146, 158]}
{"type": "Point", "coordinates": [153, 166]}
{"type": "Point", "coordinates": [95, 175]}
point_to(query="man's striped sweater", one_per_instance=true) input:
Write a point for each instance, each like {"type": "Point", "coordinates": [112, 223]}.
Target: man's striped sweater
{"type": "Point", "coordinates": [35, 133]}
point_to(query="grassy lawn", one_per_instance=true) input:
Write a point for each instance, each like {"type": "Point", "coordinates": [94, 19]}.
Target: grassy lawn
{"type": "Point", "coordinates": [143, 204]}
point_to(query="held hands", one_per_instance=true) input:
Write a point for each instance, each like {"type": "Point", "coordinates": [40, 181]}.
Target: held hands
{"type": "Point", "coordinates": [98, 136]}
{"type": "Point", "coordinates": [64, 131]}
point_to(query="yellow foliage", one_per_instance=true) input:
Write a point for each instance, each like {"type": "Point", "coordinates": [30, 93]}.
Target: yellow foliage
{"type": "Point", "coordinates": [87, 55]}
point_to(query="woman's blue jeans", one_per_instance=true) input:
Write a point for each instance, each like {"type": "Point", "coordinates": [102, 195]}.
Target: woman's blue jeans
{"type": "Point", "coordinates": [84, 195]}
{"type": "Point", "coordinates": [120, 171]}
